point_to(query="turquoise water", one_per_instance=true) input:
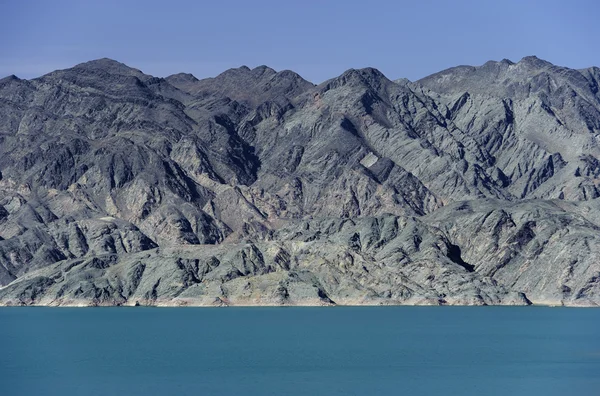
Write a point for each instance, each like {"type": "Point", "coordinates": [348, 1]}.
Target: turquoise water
{"type": "Point", "coordinates": [300, 351]}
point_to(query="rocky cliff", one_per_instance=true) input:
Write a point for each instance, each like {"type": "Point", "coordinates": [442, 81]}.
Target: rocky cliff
{"type": "Point", "coordinates": [476, 185]}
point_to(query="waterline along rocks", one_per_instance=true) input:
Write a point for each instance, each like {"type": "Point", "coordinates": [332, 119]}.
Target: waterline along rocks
{"type": "Point", "coordinates": [476, 185]}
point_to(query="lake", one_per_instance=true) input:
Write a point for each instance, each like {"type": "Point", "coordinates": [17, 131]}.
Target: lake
{"type": "Point", "coordinates": [300, 351]}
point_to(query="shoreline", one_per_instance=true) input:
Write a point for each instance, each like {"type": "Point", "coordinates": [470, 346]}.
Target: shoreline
{"type": "Point", "coordinates": [306, 305]}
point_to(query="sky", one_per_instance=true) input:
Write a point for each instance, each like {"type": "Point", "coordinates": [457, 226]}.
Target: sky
{"type": "Point", "coordinates": [319, 39]}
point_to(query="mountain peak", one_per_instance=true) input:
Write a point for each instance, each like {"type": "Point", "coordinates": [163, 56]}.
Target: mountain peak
{"type": "Point", "coordinates": [365, 72]}
{"type": "Point", "coordinates": [533, 60]}
{"type": "Point", "coordinates": [367, 76]}
{"type": "Point", "coordinates": [12, 77]}
{"type": "Point", "coordinates": [492, 78]}
{"type": "Point", "coordinates": [263, 69]}
{"type": "Point", "coordinates": [492, 63]}
{"type": "Point", "coordinates": [235, 71]}
{"type": "Point", "coordinates": [102, 62]}
{"type": "Point", "coordinates": [108, 65]}
{"type": "Point", "coordinates": [188, 77]}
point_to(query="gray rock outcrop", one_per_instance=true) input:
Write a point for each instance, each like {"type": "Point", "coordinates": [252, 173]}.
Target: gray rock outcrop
{"type": "Point", "coordinates": [476, 185]}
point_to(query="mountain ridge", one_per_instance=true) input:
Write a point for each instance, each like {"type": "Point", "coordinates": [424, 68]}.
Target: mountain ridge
{"type": "Point", "coordinates": [475, 185]}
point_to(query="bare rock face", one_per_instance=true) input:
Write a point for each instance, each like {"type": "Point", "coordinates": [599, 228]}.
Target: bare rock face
{"type": "Point", "coordinates": [476, 185]}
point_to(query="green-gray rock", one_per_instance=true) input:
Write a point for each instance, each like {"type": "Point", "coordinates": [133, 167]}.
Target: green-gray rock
{"type": "Point", "coordinates": [476, 185]}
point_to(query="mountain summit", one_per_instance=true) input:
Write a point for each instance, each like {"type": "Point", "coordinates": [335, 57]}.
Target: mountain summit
{"type": "Point", "coordinates": [475, 185]}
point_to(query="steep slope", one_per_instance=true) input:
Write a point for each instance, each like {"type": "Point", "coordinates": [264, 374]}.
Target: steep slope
{"type": "Point", "coordinates": [539, 121]}
{"type": "Point", "coordinates": [475, 185]}
{"type": "Point", "coordinates": [547, 248]}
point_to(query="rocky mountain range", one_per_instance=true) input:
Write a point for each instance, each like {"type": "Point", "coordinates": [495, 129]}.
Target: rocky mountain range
{"type": "Point", "coordinates": [475, 185]}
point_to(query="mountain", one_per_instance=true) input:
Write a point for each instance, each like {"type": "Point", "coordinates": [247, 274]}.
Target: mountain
{"type": "Point", "coordinates": [475, 185]}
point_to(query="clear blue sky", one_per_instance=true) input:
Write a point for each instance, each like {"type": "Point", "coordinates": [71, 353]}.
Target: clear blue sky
{"type": "Point", "coordinates": [317, 38]}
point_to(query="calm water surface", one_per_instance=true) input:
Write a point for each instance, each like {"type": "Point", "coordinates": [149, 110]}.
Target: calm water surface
{"type": "Point", "coordinates": [300, 351]}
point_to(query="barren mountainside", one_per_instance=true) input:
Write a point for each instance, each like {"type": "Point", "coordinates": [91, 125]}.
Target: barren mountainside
{"type": "Point", "coordinates": [475, 185]}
